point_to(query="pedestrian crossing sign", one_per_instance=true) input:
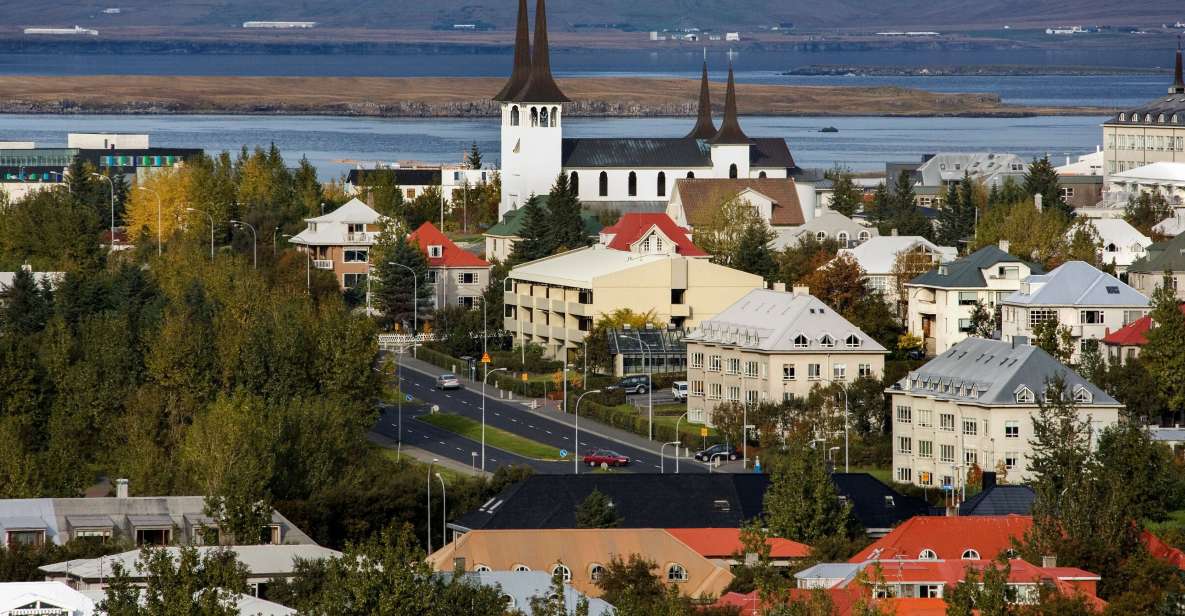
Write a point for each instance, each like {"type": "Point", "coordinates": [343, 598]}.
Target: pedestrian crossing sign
{"type": "Point", "coordinates": [485, 358]}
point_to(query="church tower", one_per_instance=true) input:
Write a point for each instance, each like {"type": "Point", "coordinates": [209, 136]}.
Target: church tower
{"type": "Point", "coordinates": [1178, 86]}
{"type": "Point", "coordinates": [730, 145]}
{"type": "Point", "coordinates": [704, 127]}
{"type": "Point", "coordinates": [532, 110]}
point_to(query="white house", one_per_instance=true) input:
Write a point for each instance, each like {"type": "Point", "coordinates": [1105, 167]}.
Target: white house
{"type": "Point", "coordinates": [877, 256]}
{"type": "Point", "coordinates": [1120, 243]}
{"type": "Point", "coordinates": [1091, 303]}
{"type": "Point", "coordinates": [828, 225]}
{"type": "Point", "coordinates": [48, 598]}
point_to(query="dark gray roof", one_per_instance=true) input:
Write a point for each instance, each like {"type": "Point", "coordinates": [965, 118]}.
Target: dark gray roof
{"type": "Point", "coordinates": [967, 273]}
{"type": "Point", "coordinates": [1149, 114]}
{"type": "Point", "coordinates": [766, 152]}
{"type": "Point", "coordinates": [1168, 255]}
{"type": "Point", "coordinates": [869, 505]}
{"type": "Point", "coordinates": [998, 499]}
{"type": "Point", "coordinates": [402, 177]}
{"type": "Point", "coordinates": [770, 152]}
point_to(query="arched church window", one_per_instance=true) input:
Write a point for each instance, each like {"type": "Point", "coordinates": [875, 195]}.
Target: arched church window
{"type": "Point", "coordinates": [604, 184]}
{"type": "Point", "coordinates": [662, 184]}
{"type": "Point", "coordinates": [555, 116]}
{"type": "Point", "coordinates": [633, 184]}
{"type": "Point", "coordinates": [574, 182]}
{"type": "Point", "coordinates": [691, 175]}
{"type": "Point", "coordinates": [761, 175]}
{"type": "Point", "coordinates": [732, 171]}
{"type": "Point", "coordinates": [543, 121]}
{"type": "Point", "coordinates": [514, 115]}
{"type": "Point", "coordinates": [534, 116]}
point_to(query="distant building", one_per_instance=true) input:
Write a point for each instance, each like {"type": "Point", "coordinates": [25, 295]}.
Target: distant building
{"type": "Point", "coordinates": [457, 277]}
{"type": "Point", "coordinates": [501, 238]}
{"type": "Point", "coordinates": [732, 36]}
{"type": "Point", "coordinates": [776, 200]}
{"type": "Point", "coordinates": [340, 242]}
{"type": "Point", "coordinates": [280, 25]}
{"type": "Point", "coordinates": [1147, 273]}
{"type": "Point", "coordinates": [1125, 343]}
{"type": "Point", "coordinates": [75, 31]}
{"type": "Point", "coordinates": [877, 256]}
{"type": "Point", "coordinates": [1121, 243]}
{"type": "Point", "coordinates": [828, 225]}
{"type": "Point", "coordinates": [1150, 133]}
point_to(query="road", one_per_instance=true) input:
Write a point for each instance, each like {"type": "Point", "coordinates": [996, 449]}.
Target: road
{"type": "Point", "coordinates": [544, 426]}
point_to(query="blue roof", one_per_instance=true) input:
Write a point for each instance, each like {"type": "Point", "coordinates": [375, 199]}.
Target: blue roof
{"type": "Point", "coordinates": [1076, 283]}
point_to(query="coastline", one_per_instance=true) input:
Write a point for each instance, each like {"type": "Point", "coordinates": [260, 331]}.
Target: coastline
{"type": "Point", "coordinates": [433, 97]}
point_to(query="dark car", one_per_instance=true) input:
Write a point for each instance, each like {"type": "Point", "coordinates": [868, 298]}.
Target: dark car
{"type": "Point", "coordinates": [606, 457]}
{"type": "Point", "coordinates": [638, 384]}
{"type": "Point", "coordinates": [722, 451]}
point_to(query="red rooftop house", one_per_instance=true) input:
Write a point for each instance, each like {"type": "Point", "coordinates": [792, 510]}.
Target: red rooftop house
{"type": "Point", "coordinates": [650, 233]}
{"type": "Point", "coordinates": [725, 544]}
{"type": "Point", "coordinates": [457, 276]}
{"type": "Point", "coordinates": [1125, 343]}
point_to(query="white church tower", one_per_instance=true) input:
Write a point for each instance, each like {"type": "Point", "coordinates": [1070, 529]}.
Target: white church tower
{"type": "Point", "coordinates": [532, 114]}
{"type": "Point", "coordinates": [730, 147]}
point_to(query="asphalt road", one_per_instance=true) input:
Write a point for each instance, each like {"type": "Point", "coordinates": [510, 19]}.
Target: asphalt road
{"type": "Point", "coordinates": [512, 417]}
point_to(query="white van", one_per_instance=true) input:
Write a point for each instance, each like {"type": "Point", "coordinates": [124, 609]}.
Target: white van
{"type": "Point", "coordinates": [679, 390]}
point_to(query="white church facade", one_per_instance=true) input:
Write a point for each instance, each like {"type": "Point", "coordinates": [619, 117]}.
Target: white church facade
{"type": "Point", "coordinates": [626, 174]}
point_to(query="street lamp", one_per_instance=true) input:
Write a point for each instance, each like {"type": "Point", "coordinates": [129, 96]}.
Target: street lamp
{"type": "Point", "coordinates": [662, 460]}
{"type": "Point", "coordinates": [434, 461]}
{"type": "Point", "coordinates": [159, 240]}
{"type": "Point", "coordinates": [207, 215]}
{"type": "Point", "coordinates": [648, 357]}
{"type": "Point", "coordinates": [576, 443]}
{"type": "Point", "coordinates": [415, 303]}
{"type": "Point", "coordinates": [680, 439]}
{"type": "Point", "coordinates": [443, 512]}
{"type": "Point", "coordinates": [112, 185]}
{"type": "Point", "coordinates": [274, 232]}
{"type": "Point", "coordinates": [254, 237]}
{"type": "Point", "coordinates": [483, 414]}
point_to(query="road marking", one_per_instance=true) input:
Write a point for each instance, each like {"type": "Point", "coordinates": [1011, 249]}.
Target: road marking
{"type": "Point", "coordinates": [547, 431]}
{"type": "Point", "coordinates": [457, 448]}
{"type": "Point", "coordinates": [442, 443]}
{"type": "Point", "coordinates": [497, 413]}
{"type": "Point", "coordinates": [514, 420]}
{"type": "Point", "coordinates": [564, 437]}
{"type": "Point", "coordinates": [530, 426]}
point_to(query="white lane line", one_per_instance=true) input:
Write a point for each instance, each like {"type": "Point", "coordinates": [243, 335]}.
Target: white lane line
{"type": "Point", "coordinates": [457, 448]}
{"type": "Point", "coordinates": [530, 426]}
{"type": "Point", "coordinates": [443, 443]}
{"type": "Point", "coordinates": [547, 431]}
{"type": "Point", "coordinates": [497, 414]}
{"type": "Point", "coordinates": [564, 437]}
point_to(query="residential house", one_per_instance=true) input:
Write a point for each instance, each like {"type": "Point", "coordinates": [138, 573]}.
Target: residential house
{"type": "Point", "coordinates": [581, 555]}
{"type": "Point", "coordinates": [990, 168]}
{"type": "Point", "coordinates": [458, 277]}
{"type": "Point", "coordinates": [43, 598]}
{"type": "Point", "coordinates": [1121, 243]}
{"type": "Point", "coordinates": [974, 406]}
{"type": "Point", "coordinates": [780, 202]}
{"type": "Point", "coordinates": [500, 238]}
{"type": "Point", "coordinates": [774, 345]}
{"type": "Point", "coordinates": [1147, 274]}
{"type": "Point", "coordinates": [940, 301]}
{"type": "Point", "coordinates": [1081, 192]}
{"type": "Point", "coordinates": [828, 225]}
{"type": "Point", "coordinates": [141, 520]}
{"type": "Point", "coordinates": [520, 587]}
{"type": "Point", "coordinates": [948, 538]}
{"type": "Point", "coordinates": [1125, 343]}
{"type": "Point", "coordinates": [878, 255]}
{"type": "Point", "coordinates": [340, 242]}
{"type": "Point", "coordinates": [554, 301]}
{"type": "Point", "coordinates": [1149, 133]}
{"type": "Point", "coordinates": [644, 233]}
{"type": "Point", "coordinates": [1089, 302]}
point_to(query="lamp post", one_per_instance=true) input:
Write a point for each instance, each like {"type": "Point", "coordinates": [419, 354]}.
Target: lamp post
{"type": "Point", "coordinates": [576, 442]}
{"type": "Point", "coordinates": [485, 321]}
{"type": "Point", "coordinates": [111, 184]}
{"type": "Point", "coordinates": [846, 413]}
{"type": "Point", "coordinates": [680, 439]}
{"type": "Point", "coordinates": [159, 236]}
{"type": "Point", "coordinates": [434, 461]}
{"type": "Point", "coordinates": [648, 357]}
{"type": "Point", "coordinates": [274, 232]}
{"type": "Point", "coordinates": [443, 512]}
{"type": "Point", "coordinates": [662, 460]}
{"type": "Point", "coordinates": [415, 304]}
{"type": "Point", "coordinates": [207, 215]}
{"type": "Point", "coordinates": [255, 237]}
{"type": "Point", "coordinates": [483, 413]}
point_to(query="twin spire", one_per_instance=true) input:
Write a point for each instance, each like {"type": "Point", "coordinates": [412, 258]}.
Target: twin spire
{"type": "Point", "coordinates": [531, 80]}
{"type": "Point", "coordinates": [730, 132]}
{"type": "Point", "coordinates": [1178, 79]}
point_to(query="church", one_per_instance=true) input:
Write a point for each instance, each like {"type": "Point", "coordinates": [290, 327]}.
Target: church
{"type": "Point", "coordinates": [628, 174]}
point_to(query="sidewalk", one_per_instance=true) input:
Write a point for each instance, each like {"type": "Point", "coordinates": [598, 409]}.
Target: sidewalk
{"type": "Point", "coordinates": [425, 456]}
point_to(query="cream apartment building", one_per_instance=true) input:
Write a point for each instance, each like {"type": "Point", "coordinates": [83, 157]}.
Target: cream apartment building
{"type": "Point", "coordinates": [774, 345]}
{"type": "Point", "coordinates": [1090, 302]}
{"type": "Point", "coordinates": [974, 405]}
{"type": "Point", "coordinates": [555, 301]}
{"type": "Point", "coordinates": [940, 301]}
{"type": "Point", "coordinates": [1151, 133]}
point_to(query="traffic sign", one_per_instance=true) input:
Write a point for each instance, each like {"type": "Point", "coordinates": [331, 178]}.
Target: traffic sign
{"type": "Point", "coordinates": [563, 453]}
{"type": "Point", "coordinates": [524, 377]}
{"type": "Point", "coordinates": [407, 397]}
{"type": "Point", "coordinates": [703, 431]}
{"type": "Point", "coordinates": [485, 358]}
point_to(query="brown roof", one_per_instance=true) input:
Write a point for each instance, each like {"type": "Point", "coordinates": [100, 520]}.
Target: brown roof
{"type": "Point", "coordinates": [700, 198]}
{"type": "Point", "coordinates": [579, 550]}
{"type": "Point", "coordinates": [705, 128]}
{"type": "Point", "coordinates": [522, 57]}
{"type": "Point", "coordinates": [730, 129]}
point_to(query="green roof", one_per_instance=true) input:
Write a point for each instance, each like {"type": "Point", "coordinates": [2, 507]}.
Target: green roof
{"type": "Point", "coordinates": [967, 273]}
{"type": "Point", "coordinates": [1168, 255]}
{"type": "Point", "coordinates": [511, 225]}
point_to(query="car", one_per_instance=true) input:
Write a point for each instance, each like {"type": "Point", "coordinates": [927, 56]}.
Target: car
{"type": "Point", "coordinates": [448, 381]}
{"type": "Point", "coordinates": [637, 384]}
{"type": "Point", "coordinates": [679, 390]}
{"type": "Point", "coordinates": [607, 457]}
{"type": "Point", "coordinates": [721, 451]}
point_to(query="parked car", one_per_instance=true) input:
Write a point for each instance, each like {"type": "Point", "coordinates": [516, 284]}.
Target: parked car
{"type": "Point", "coordinates": [679, 390]}
{"type": "Point", "coordinates": [606, 456]}
{"type": "Point", "coordinates": [721, 451]}
{"type": "Point", "coordinates": [637, 384]}
{"type": "Point", "coordinates": [448, 381]}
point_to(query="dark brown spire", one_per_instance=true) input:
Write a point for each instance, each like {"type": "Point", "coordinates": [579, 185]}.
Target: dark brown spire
{"type": "Point", "coordinates": [522, 57]}
{"type": "Point", "coordinates": [1178, 78]}
{"type": "Point", "coordinates": [704, 127]}
{"type": "Point", "coordinates": [730, 130]}
{"type": "Point", "coordinates": [540, 86]}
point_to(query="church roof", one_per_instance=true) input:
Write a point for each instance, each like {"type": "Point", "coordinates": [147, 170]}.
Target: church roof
{"type": "Point", "coordinates": [730, 130]}
{"type": "Point", "coordinates": [705, 128]}
{"type": "Point", "coordinates": [665, 152]}
{"type": "Point", "coordinates": [522, 58]}
{"type": "Point", "coordinates": [540, 86]}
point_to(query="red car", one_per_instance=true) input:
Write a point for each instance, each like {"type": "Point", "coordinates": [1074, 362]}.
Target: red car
{"type": "Point", "coordinates": [607, 457]}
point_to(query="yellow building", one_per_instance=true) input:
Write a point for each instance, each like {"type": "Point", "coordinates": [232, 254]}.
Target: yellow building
{"type": "Point", "coordinates": [1151, 133]}
{"type": "Point", "coordinates": [555, 301]}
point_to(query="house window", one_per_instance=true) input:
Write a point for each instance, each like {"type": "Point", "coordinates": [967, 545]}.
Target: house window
{"type": "Point", "coordinates": [356, 256]}
{"type": "Point", "coordinates": [603, 185]}
{"type": "Point", "coordinates": [632, 184]}
{"type": "Point", "coordinates": [467, 278]}
{"type": "Point", "coordinates": [970, 457]}
{"type": "Point", "coordinates": [153, 536]}
{"type": "Point", "coordinates": [970, 427]}
{"type": "Point", "coordinates": [925, 418]}
{"type": "Point", "coordinates": [1011, 459]}
{"type": "Point", "coordinates": [431, 278]}
{"type": "Point", "coordinates": [925, 449]}
{"type": "Point", "coordinates": [839, 372]}
{"type": "Point", "coordinates": [514, 116]}
{"type": "Point", "coordinates": [662, 184]}
{"type": "Point", "coordinates": [734, 365]}
{"type": "Point", "coordinates": [800, 341]}
{"type": "Point", "coordinates": [676, 573]}
{"type": "Point", "coordinates": [927, 554]}
{"type": "Point", "coordinates": [734, 393]}
{"type": "Point", "coordinates": [946, 453]}
{"type": "Point", "coordinates": [968, 298]}
{"type": "Point", "coordinates": [32, 537]}
{"type": "Point", "coordinates": [574, 182]}
{"type": "Point", "coordinates": [788, 372]}
{"type": "Point", "coordinates": [435, 252]}
{"type": "Point", "coordinates": [1012, 429]}
{"type": "Point", "coordinates": [697, 389]}
{"type": "Point", "coordinates": [520, 568]}
{"type": "Point", "coordinates": [904, 414]}
{"type": "Point", "coordinates": [827, 341]}
{"type": "Point", "coordinates": [1040, 316]}
{"type": "Point", "coordinates": [904, 475]}
{"type": "Point", "coordinates": [697, 360]}
{"type": "Point", "coordinates": [595, 572]}
{"type": "Point", "coordinates": [813, 372]}
{"type": "Point", "coordinates": [751, 369]}
{"type": "Point", "coordinates": [1067, 192]}
{"type": "Point", "coordinates": [904, 445]}
{"type": "Point", "coordinates": [946, 422]}
{"type": "Point", "coordinates": [561, 570]}
{"type": "Point", "coordinates": [353, 281]}
{"type": "Point", "coordinates": [1083, 395]}
{"type": "Point", "coordinates": [691, 175]}
{"type": "Point", "coordinates": [1090, 317]}
{"type": "Point", "coordinates": [732, 171]}
{"type": "Point", "coordinates": [865, 370]}
{"type": "Point", "coordinates": [468, 301]}
{"type": "Point", "coordinates": [715, 391]}
{"type": "Point", "coordinates": [713, 363]}
{"type": "Point", "coordinates": [970, 555]}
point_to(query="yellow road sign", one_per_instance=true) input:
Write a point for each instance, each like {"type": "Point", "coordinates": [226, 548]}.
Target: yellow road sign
{"type": "Point", "coordinates": [524, 377]}
{"type": "Point", "coordinates": [703, 431]}
{"type": "Point", "coordinates": [485, 358]}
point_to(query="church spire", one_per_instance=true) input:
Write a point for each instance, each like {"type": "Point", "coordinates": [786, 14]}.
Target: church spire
{"type": "Point", "coordinates": [540, 86]}
{"type": "Point", "coordinates": [730, 130]}
{"type": "Point", "coordinates": [522, 57]}
{"type": "Point", "coordinates": [704, 127]}
{"type": "Point", "coordinates": [1178, 78]}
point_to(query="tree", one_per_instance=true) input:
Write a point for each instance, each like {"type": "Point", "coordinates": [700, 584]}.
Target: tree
{"type": "Point", "coordinates": [565, 229]}
{"type": "Point", "coordinates": [1041, 179]}
{"type": "Point", "coordinates": [956, 219]}
{"type": "Point", "coordinates": [554, 602]}
{"type": "Point", "coordinates": [796, 262]}
{"type": "Point", "coordinates": [907, 265]}
{"type": "Point", "coordinates": [753, 254]}
{"type": "Point", "coordinates": [25, 306]}
{"type": "Point", "coordinates": [985, 322]}
{"type": "Point", "coordinates": [722, 233]}
{"type": "Point", "coordinates": [1085, 244]}
{"type": "Point", "coordinates": [906, 217]}
{"type": "Point", "coordinates": [474, 157]}
{"type": "Point", "coordinates": [882, 209]}
{"type": "Point", "coordinates": [394, 290]}
{"type": "Point", "coordinates": [840, 284]}
{"type": "Point", "coordinates": [597, 511]}
{"type": "Point", "coordinates": [383, 193]}
{"type": "Point", "coordinates": [1164, 355]}
{"type": "Point", "coordinates": [1038, 235]}
{"type": "Point", "coordinates": [802, 503]}
{"type": "Point", "coordinates": [191, 583]}
{"type": "Point", "coordinates": [1146, 210]}
{"type": "Point", "coordinates": [535, 242]}
{"type": "Point", "coordinates": [1090, 362]}
{"type": "Point", "coordinates": [845, 197]}
{"type": "Point", "coordinates": [983, 593]}
{"type": "Point", "coordinates": [309, 192]}
{"type": "Point", "coordinates": [1054, 339]}
{"type": "Point", "coordinates": [49, 231]}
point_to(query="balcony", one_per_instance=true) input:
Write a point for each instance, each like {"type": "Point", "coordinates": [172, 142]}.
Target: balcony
{"type": "Point", "coordinates": [361, 237]}
{"type": "Point", "coordinates": [323, 264]}
{"type": "Point", "coordinates": [558, 333]}
{"type": "Point", "coordinates": [510, 298]}
{"type": "Point", "coordinates": [541, 303]}
{"type": "Point", "coordinates": [557, 305]}
{"type": "Point", "coordinates": [680, 310]}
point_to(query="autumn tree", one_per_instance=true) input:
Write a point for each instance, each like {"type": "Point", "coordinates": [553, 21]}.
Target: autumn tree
{"type": "Point", "coordinates": [721, 234]}
{"type": "Point", "coordinates": [840, 284]}
{"type": "Point", "coordinates": [907, 265]}
{"type": "Point", "coordinates": [1146, 210]}
{"type": "Point", "coordinates": [796, 261]}
{"type": "Point", "coordinates": [1038, 235]}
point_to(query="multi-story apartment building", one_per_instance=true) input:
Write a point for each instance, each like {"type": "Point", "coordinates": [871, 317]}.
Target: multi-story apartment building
{"type": "Point", "coordinates": [457, 276]}
{"type": "Point", "coordinates": [1152, 132]}
{"type": "Point", "coordinates": [1091, 303]}
{"type": "Point", "coordinates": [974, 406]}
{"type": "Point", "coordinates": [340, 242]}
{"type": "Point", "coordinates": [554, 302]}
{"type": "Point", "coordinates": [774, 345]}
{"type": "Point", "coordinates": [941, 300]}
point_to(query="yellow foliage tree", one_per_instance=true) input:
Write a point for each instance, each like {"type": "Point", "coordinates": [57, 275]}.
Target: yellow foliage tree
{"type": "Point", "coordinates": [172, 188]}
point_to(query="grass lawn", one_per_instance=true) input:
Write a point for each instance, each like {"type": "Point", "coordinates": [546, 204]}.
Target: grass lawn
{"type": "Point", "coordinates": [884, 475]}
{"type": "Point", "coordinates": [495, 437]}
{"type": "Point", "coordinates": [1175, 521]}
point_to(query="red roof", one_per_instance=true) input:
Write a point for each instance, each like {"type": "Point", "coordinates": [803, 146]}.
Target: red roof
{"type": "Point", "coordinates": [1163, 551]}
{"type": "Point", "coordinates": [948, 537]}
{"type": "Point", "coordinates": [843, 599]}
{"type": "Point", "coordinates": [725, 542]}
{"type": "Point", "coordinates": [451, 255]}
{"type": "Point", "coordinates": [635, 225]}
{"type": "Point", "coordinates": [899, 606]}
{"type": "Point", "coordinates": [1132, 334]}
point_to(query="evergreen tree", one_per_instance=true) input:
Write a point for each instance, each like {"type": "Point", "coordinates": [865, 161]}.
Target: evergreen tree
{"type": "Point", "coordinates": [394, 291]}
{"type": "Point", "coordinates": [905, 215]}
{"type": "Point", "coordinates": [308, 190]}
{"type": "Point", "coordinates": [956, 219]}
{"type": "Point", "coordinates": [1041, 179]}
{"type": "Point", "coordinates": [802, 504]}
{"type": "Point", "coordinates": [597, 511]}
{"type": "Point", "coordinates": [474, 157]}
{"type": "Point", "coordinates": [845, 197]}
{"type": "Point", "coordinates": [565, 226]}
{"type": "Point", "coordinates": [535, 241]}
{"type": "Point", "coordinates": [753, 253]}
{"type": "Point", "coordinates": [881, 210]}
{"type": "Point", "coordinates": [24, 306]}
{"type": "Point", "coordinates": [192, 584]}
{"type": "Point", "coordinates": [1164, 354]}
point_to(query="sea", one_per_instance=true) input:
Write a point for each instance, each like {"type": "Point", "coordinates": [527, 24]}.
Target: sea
{"type": "Point", "coordinates": [336, 144]}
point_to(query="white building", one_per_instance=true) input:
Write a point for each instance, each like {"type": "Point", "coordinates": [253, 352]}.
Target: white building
{"type": "Point", "coordinates": [1153, 132]}
{"type": "Point", "coordinates": [877, 255]}
{"type": "Point", "coordinates": [991, 168]}
{"type": "Point", "coordinates": [941, 300]}
{"type": "Point", "coordinates": [974, 405]}
{"type": "Point", "coordinates": [1119, 243]}
{"type": "Point", "coordinates": [828, 225]}
{"type": "Point", "coordinates": [43, 598]}
{"type": "Point", "coordinates": [1091, 303]}
{"type": "Point", "coordinates": [623, 174]}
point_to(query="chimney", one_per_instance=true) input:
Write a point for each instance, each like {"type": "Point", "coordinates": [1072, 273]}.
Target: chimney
{"type": "Point", "coordinates": [1005, 245]}
{"type": "Point", "coordinates": [802, 290]}
{"type": "Point", "coordinates": [780, 287]}
{"type": "Point", "coordinates": [1037, 198]}
{"type": "Point", "coordinates": [121, 488]}
{"type": "Point", "coordinates": [893, 232]}
{"type": "Point", "coordinates": [989, 480]}
{"type": "Point", "coordinates": [1049, 562]}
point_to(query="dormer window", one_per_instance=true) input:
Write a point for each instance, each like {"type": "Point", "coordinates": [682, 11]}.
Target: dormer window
{"type": "Point", "coordinates": [435, 252]}
{"type": "Point", "coordinates": [852, 341]}
{"type": "Point", "coordinates": [927, 554]}
{"type": "Point", "coordinates": [1123, 117]}
{"type": "Point", "coordinates": [1174, 119]}
{"type": "Point", "coordinates": [826, 341]}
{"type": "Point", "coordinates": [1083, 395]}
{"type": "Point", "coordinates": [1160, 119]}
{"type": "Point", "coordinates": [1024, 395]}
{"type": "Point", "coordinates": [801, 342]}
